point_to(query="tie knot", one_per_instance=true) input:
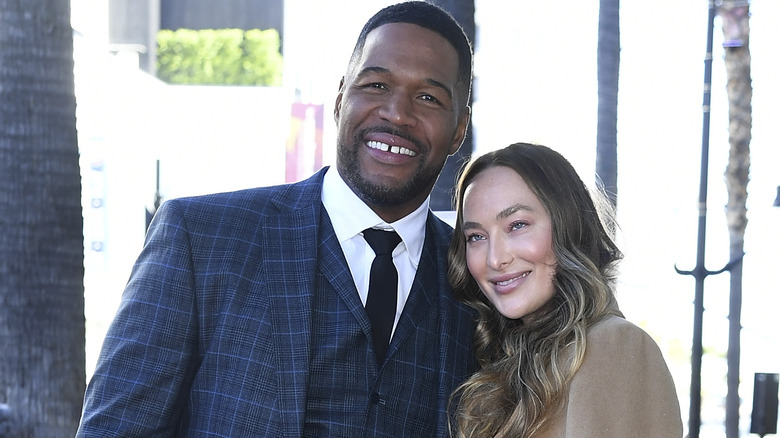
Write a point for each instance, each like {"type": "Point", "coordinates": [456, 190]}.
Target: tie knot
{"type": "Point", "coordinates": [382, 242]}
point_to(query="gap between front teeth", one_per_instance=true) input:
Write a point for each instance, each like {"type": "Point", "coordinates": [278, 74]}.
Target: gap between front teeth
{"type": "Point", "coordinates": [392, 149]}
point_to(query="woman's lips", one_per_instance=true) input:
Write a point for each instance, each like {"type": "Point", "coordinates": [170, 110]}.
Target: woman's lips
{"type": "Point", "coordinates": [508, 283]}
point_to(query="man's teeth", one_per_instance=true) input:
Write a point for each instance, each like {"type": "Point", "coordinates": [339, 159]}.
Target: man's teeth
{"type": "Point", "coordinates": [392, 149]}
{"type": "Point", "coordinates": [504, 283]}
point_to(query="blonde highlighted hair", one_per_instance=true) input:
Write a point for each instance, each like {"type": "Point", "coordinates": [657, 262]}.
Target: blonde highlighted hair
{"type": "Point", "coordinates": [526, 367]}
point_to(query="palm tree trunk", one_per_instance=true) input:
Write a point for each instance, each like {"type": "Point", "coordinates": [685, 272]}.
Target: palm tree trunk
{"type": "Point", "coordinates": [608, 71]}
{"type": "Point", "coordinates": [736, 31]}
{"type": "Point", "coordinates": [42, 369]}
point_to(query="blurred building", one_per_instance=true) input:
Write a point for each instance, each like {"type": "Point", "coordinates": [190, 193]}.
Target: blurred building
{"type": "Point", "coordinates": [133, 24]}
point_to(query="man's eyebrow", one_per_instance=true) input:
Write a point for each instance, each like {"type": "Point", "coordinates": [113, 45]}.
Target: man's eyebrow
{"type": "Point", "coordinates": [438, 84]}
{"type": "Point", "coordinates": [367, 70]}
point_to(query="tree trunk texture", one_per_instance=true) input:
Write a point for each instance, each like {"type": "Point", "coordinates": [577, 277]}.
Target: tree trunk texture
{"type": "Point", "coordinates": [736, 31]}
{"type": "Point", "coordinates": [608, 66]}
{"type": "Point", "coordinates": [42, 360]}
{"type": "Point", "coordinates": [443, 191]}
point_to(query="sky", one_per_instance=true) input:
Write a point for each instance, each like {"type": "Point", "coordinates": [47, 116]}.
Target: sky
{"type": "Point", "coordinates": [535, 81]}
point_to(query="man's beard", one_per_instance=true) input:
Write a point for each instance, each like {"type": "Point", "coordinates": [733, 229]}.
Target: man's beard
{"type": "Point", "coordinates": [381, 195]}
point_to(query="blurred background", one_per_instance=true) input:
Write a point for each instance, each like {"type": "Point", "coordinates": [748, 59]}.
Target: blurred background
{"type": "Point", "coordinates": [143, 140]}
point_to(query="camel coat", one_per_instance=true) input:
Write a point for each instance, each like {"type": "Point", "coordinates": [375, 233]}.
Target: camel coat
{"type": "Point", "coordinates": [623, 389]}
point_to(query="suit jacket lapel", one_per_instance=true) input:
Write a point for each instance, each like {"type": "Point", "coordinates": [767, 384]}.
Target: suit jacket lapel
{"type": "Point", "coordinates": [334, 267]}
{"type": "Point", "coordinates": [425, 291]}
{"type": "Point", "coordinates": [289, 241]}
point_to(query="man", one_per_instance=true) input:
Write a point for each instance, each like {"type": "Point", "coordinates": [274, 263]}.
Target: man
{"type": "Point", "coordinates": [247, 313]}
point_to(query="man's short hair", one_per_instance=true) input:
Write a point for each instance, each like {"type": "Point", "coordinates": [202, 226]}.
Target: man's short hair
{"type": "Point", "coordinates": [430, 17]}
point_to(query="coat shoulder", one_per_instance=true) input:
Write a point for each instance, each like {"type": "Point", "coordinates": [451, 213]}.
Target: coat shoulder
{"type": "Point", "coordinates": [247, 203]}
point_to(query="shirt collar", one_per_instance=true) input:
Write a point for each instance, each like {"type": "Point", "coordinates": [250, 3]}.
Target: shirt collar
{"type": "Point", "coordinates": [350, 216]}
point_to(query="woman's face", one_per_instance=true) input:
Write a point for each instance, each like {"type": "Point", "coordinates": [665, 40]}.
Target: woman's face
{"type": "Point", "coordinates": [508, 242]}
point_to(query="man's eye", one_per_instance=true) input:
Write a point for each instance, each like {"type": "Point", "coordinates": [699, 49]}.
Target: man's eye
{"type": "Point", "coordinates": [429, 98]}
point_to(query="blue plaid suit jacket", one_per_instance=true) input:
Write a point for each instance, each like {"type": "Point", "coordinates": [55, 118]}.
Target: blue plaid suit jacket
{"type": "Point", "coordinates": [212, 336]}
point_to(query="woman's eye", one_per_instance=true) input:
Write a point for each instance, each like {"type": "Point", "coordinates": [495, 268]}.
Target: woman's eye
{"type": "Point", "coordinates": [474, 238]}
{"type": "Point", "coordinates": [517, 225]}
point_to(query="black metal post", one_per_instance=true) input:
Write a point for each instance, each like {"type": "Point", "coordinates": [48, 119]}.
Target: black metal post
{"type": "Point", "coordinates": [700, 272]}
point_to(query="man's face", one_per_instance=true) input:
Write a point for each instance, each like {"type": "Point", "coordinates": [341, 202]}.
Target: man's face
{"type": "Point", "coordinates": [398, 117]}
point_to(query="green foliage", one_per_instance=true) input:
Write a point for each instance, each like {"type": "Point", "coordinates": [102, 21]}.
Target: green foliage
{"type": "Point", "coordinates": [219, 57]}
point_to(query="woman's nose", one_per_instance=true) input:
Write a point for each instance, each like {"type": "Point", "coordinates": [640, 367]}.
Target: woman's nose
{"type": "Point", "coordinates": [498, 254]}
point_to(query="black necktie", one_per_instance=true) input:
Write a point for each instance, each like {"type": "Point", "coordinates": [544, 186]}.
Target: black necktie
{"type": "Point", "coordinates": [382, 288]}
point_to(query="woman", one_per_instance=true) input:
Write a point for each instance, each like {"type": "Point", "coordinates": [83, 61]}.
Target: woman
{"type": "Point", "coordinates": [534, 255]}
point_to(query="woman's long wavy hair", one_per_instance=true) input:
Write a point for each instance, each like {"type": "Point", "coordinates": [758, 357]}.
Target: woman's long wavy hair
{"type": "Point", "coordinates": [526, 366]}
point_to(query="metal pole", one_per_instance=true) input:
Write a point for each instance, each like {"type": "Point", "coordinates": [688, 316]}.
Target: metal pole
{"type": "Point", "coordinates": [699, 272]}
{"type": "Point", "coordinates": [694, 419]}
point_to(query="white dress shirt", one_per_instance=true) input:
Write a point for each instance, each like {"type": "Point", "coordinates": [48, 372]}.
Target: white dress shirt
{"type": "Point", "coordinates": [350, 216]}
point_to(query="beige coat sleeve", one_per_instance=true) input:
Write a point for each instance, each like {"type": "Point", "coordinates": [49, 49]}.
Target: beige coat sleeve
{"type": "Point", "coordinates": [623, 388]}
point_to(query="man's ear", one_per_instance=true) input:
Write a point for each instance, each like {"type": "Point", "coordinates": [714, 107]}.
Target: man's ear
{"type": "Point", "coordinates": [337, 106]}
{"type": "Point", "coordinates": [460, 129]}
